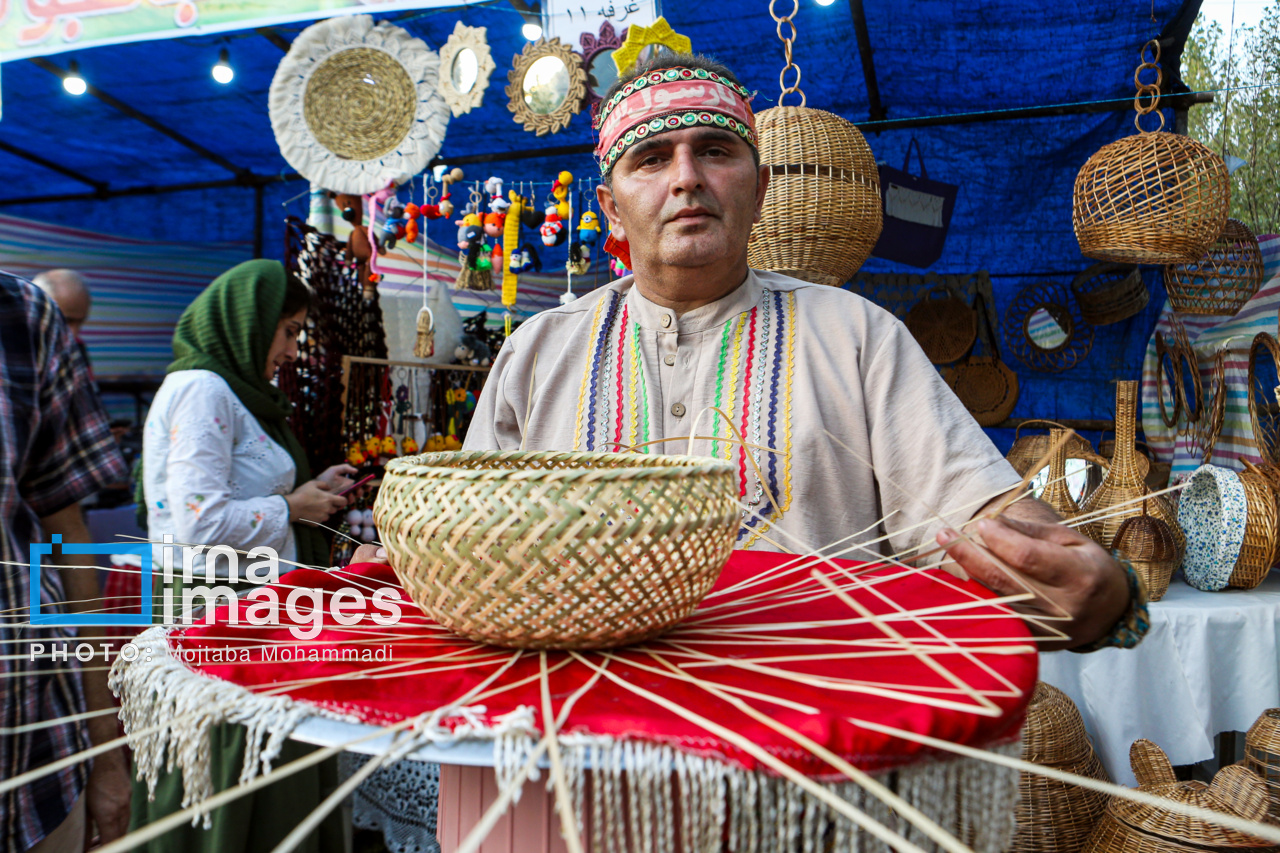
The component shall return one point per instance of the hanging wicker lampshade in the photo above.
(1152, 198)
(1223, 279)
(822, 214)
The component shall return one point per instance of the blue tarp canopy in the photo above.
(961, 74)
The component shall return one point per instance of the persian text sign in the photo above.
(37, 27)
(568, 19)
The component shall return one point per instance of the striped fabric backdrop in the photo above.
(139, 287)
(1209, 335)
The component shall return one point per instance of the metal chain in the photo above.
(1151, 91)
(786, 45)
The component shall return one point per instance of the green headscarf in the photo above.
(228, 330)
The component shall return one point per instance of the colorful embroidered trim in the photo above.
(673, 121)
(592, 370)
(666, 75)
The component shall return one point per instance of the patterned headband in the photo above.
(671, 99)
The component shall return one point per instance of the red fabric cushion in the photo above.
(426, 667)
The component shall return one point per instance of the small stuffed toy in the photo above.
(408, 445)
(589, 228)
(435, 443)
(497, 204)
(494, 223)
(372, 447)
(560, 190)
(388, 446)
(553, 231)
(472, 350)
(355, 455)
(525, 259)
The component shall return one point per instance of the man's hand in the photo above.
(107, 798)
(369, 554)
(1063, 566)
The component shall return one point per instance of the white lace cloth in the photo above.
(211, 475)
(399, 801)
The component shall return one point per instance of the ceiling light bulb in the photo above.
(73, 82)
(532, 31)
(825, 2)
(223, 72)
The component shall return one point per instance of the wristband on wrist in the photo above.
(1133, 624)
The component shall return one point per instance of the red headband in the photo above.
(671, 99)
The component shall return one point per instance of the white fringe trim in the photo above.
(633, 787)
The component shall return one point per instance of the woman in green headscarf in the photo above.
(220, 464)
(222, 467)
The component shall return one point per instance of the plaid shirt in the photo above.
(55, 450)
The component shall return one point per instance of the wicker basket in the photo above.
(1125, 481)
(1167, 382)
(944, 327)
(1259, 546)
(1272, 473)
(1262, 755)
(822, 214)
(1109, 293)
(984, 383)
(1028, 450)
(1263, 400)
(557, 550)
(1186, 366)
(1221, 281)
(1053, 816)
(1057, 494)
(1152, 547)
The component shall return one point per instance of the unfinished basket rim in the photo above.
(666, 466)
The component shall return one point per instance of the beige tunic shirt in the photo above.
(867, 433)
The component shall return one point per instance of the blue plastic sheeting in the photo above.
(1012, 215)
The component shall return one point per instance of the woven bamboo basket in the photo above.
(1186, 368)
(1028, 450)
(1262, 755)
(1213, 410)
(546, 550)
(1153, 550)
(1260, 532)
(822, 214)
(1167, 382)
(1053, 816)
(984, 383)
(1129, 827)
(944, 327)
(1223, 279)
(1109, 293)
(1057, 493)
(1272, 473)
(1263, 400)
(1152, 198)
(1117, 496)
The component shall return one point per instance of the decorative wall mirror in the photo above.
(465, 66)
(597, 59)
(1045, 330)
(643, 42)
(547, 86)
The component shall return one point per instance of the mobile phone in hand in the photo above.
(355, 485)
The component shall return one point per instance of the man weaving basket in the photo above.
(866, 432)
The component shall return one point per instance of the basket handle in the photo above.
(1150, 764)
(985, 330)
(1031, 421)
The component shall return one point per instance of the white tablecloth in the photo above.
(1210, 664)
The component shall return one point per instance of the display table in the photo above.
(1210, 664)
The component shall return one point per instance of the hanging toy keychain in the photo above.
(375, 200)
(560, 192)
(475, 271)
(579, 260)
(424, 340)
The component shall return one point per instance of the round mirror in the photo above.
(1082, 477)
(1049, 327)
(601, 72)
(546, 85)
(464, 71)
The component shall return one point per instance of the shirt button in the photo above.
(666, 321)
(669, 360)
(677, 409)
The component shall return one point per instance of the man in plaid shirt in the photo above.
(55, 450)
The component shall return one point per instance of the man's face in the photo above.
(685, 198)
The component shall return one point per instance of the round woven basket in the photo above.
(1053, 816)
(1260, 532)
(1262, 399)
(1109, 293)
(985, 384)
(944, 327)
(1167, 382)
(1029, 450)
(543, 550)
(1262, 755)
(1223, 279)
(1272, 473)
(822, 214)
(1152, 549)
(1151, 198)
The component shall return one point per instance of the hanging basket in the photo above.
(1263, 402)
(984, 383)
(1152, 198)
(822, 214)
(1221, 281)
(944, 327)
(1109, 293)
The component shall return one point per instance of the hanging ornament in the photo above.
(1151, 198)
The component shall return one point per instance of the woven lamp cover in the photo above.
(822, 215)
(1223, 279)
(1151, 198)
(355, 105)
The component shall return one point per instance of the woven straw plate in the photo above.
(545, 550)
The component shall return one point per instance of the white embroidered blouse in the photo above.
(211, 475)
